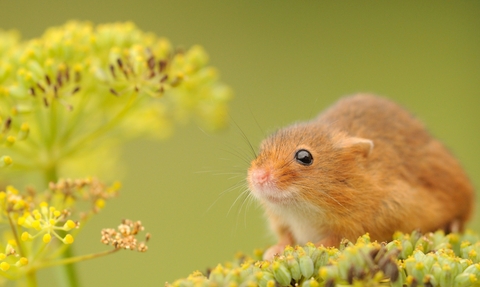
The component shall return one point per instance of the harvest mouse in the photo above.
(363, 165)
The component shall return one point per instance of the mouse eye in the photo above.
(304, 157)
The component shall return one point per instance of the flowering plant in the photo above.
(432, 259)
(67, 101)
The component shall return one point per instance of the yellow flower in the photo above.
(79, 76)
(46, 221)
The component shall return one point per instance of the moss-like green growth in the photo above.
(433, 259)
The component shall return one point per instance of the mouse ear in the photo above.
(360, 145)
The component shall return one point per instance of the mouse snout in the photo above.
(260, 177)
(264, 185)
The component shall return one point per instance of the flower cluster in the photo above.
(67, 101)
(62, 93)
(46, 221)
(67, 192)
(433, 259)
(36, 219)
(10, 258)
(125, 236)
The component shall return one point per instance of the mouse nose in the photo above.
(261, 176)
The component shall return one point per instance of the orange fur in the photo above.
(375, 169)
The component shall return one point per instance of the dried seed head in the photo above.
(124, 237)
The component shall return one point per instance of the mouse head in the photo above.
(305, 162)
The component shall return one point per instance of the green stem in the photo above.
(15, 235)
(51, 174)
(31, 278)
(76, 117)
(66, 274)
(70, 260)
(102, 129)
(53, 124)
(74, 232)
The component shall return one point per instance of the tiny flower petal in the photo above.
(68, 239)
(26, 236)
(47, 237)
(10, 140)
(22, 262)
(69, 225)
(5, 161)
(100, 203)
(4, 266)
(36, 224)
(24, 131)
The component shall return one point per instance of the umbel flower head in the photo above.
(81, 86)
(432, 259)
(44, 224)
(67, 100)
(125, 237)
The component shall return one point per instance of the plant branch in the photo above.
(71, 260)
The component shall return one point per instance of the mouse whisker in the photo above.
(245, 157)
(245, 138)
(244, 192)
(235, 186)
(248, 202)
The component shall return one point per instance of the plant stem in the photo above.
(100, 131)
(66, 274)
(71, 260)
(30, 275)
(31, 278)
(15, 235)
(50, 174)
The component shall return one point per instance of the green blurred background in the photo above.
(286, 61)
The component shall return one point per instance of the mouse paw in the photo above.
(272, 251)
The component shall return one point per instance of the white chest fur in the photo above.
(305, 221)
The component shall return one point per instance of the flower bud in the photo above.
(68, 239)
(47, 238)
(465, 280)
(322, 258)
(310, 283)
(294, 267)
(281, 273)
(306, 265)
(267, 279)
(407, 249)
(4, 266)
(23, 132)
(419, 271)
(70, 224)
(429, 280)
(473, 269)
(5, 161)
(445, 278)
(21, 262)
(328, 272)
(26, 236)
